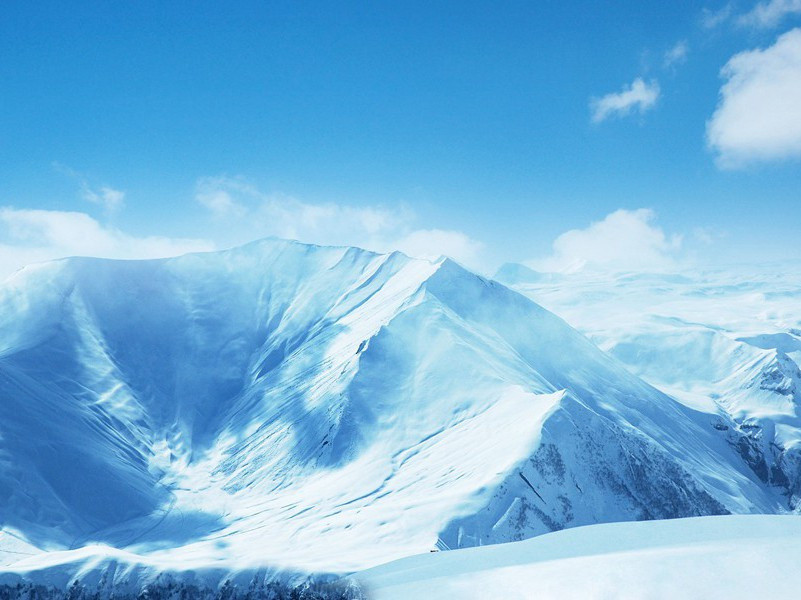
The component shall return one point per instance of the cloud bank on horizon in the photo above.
(624, 240)
(252, 213)
(242, 213)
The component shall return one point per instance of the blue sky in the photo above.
(481, 130)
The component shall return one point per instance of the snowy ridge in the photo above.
(306, 408)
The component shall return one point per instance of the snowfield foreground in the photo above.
(703, 558)
(290, 407)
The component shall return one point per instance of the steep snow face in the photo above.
(726, 343)
(323, 409)
(732, 557)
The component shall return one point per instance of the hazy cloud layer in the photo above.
(758, 117)
(638, 96)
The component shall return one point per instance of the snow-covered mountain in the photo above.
(324, 409)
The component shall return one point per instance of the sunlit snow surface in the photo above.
(704, 558)
(329, 409)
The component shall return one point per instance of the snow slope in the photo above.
(322, 409)
(703, 558)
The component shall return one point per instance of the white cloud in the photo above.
(769, 14)
(625, 240)
(28, 236)
(250, 213)
(677, 54)
(639, 95)
(758, 117)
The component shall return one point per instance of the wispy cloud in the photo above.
(217, 195)
(110, 199)
(28, 235)
(758, 117)
(249, 213)
(107, 197)
(676, 55)
(638, 96)
(769, 14)
(625, 240)
(711, 19)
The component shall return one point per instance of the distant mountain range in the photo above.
(723, 342)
